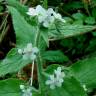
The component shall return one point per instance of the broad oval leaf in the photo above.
(55, 56)
(84, 71)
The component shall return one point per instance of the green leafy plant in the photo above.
(35, 28)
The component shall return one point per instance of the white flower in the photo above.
(20, 51)
(58, 73)
(22, 87)
(45, 17)
(28, 48)
(41, 13)
(28, 52)
(26, 91)
(35, 50)
(84, 87)
(40, 10)
(51, 81)
(56, 79)
(59, 76)
(31, 12)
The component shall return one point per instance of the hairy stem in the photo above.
(39, 62)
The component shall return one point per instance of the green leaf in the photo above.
(90, 20)
(45, 4)
(78, 22)
(78, 16)
(1, 8)
(55, 56)
(20, 7)
(84, 71)
(12, 63)
(70, 86)
(44, 34)
(94, 33)
(66, 31)
(25, 33)
(92, 45)
(1, 0)
(94, 11)
(50, 69)
(10, 87)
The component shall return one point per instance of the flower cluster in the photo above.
(26, 91)
(56, 79)
(29, 52)
(45, 17)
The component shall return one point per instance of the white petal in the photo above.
(51, 80)
(58, 16)
(25, 50)
(20, 51)
(58, 84)
(22, 87)
(46, 24)
(23, 90)
(52, 86)
(48, 82)
(84, 86)
(62, 74)
(51, 19)
(32, 56)
(52, 77)
(58, 71)
(26, 56)
(29, 44)
(50, 11)
(63, 21)
(40, 10)
(35, 50)
(42, 18)
(31, 9)
(31, 12)
(29, 89)
(61, 80)
(29, 47)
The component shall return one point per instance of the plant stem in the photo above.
(32, 70)
(39, 62)
(37, 37)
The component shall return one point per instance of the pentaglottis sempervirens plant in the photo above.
(34, 28)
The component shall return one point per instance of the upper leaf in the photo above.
(61, 31)
(25, 33)
(20, 7)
